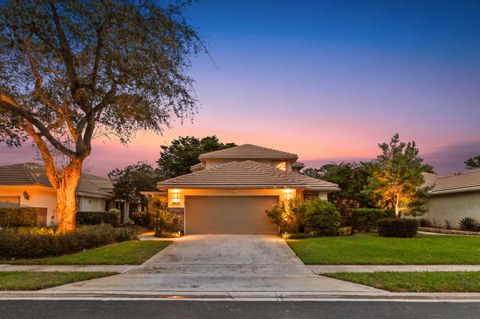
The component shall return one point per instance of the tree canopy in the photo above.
(396, 178)
(129, 181)
(350, 177)
(472, 162)
(74, 70)
(182, 153)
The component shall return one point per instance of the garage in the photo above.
(229, 215)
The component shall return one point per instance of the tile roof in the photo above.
(248, 151)
(34, 174)
(246, 174)
(463, 182)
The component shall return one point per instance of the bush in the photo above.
(345, 207)
(365, 219)
(425, 222)
(288, 215)
(314, 217)
(111, 217)
(141, 219)
(320, 217)
(397, 227)
(345, 231)
(469, 223)
(37, 242)
(162, 221)
(18, 217)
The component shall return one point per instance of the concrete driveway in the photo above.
(221, 263)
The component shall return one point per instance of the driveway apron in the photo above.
(221, 263)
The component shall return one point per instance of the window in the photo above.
(281, 166)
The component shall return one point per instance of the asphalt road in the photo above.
(91, 309)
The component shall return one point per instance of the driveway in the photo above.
(221, 263)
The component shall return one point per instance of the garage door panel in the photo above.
(229, 214)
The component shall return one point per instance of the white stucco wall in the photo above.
(39, 196)
(453, 207)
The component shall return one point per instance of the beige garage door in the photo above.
(229, 215)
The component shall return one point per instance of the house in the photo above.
(27, 185)
(453, 197)
(229, 190)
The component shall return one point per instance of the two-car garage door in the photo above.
(229, 215)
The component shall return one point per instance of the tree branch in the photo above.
(47, 156)
(12, 106)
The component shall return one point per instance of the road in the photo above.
(92, 309)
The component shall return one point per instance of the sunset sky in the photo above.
(327, 80)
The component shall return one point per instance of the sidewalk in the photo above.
(323, 269)
(68, 268)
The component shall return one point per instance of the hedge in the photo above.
(397, 227)
(18, 217)
(365, 219)
(111, 217)
(34, 242)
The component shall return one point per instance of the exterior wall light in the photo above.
(176, 197)
(288, 193)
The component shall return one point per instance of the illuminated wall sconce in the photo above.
(288, 194)
(176, 197)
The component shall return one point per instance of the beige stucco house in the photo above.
(229, 190)
(27, 185)
(453, 197)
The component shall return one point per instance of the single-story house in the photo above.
(27, 185)
(229, 190)
(453, 197)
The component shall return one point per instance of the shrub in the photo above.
(288, 215)
(141, 219)
(18, 217)
(43, 242)
(345, 207)
(469, 223)
(162, 221)
(320, 217)
(365, 219)
(425, 222)
(397, 227)
(111, 217)
(345, 231)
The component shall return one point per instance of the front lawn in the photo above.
(415, 281)
(125, 253)
(370, 249)
(41, 280)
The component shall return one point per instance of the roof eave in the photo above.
(455, 190)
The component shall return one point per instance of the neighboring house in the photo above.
(453, 197)
(27, 185)
(229, 190)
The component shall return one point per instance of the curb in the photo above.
(241, 296)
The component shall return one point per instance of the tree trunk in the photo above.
(397, 208)
(66, 196)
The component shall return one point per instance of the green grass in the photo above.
(126, 253)
(415, 281)
(41, 280)
(370, 249)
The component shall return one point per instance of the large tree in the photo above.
(350, 177)
(129, 181)
(396, 180)
(72, 70)
(472, 162)
(182, 153)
